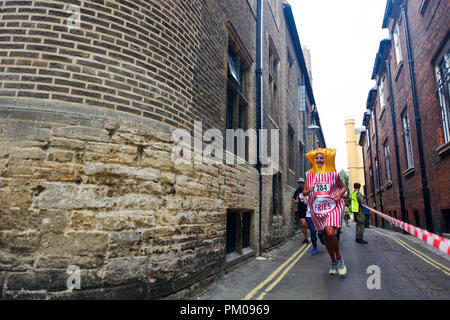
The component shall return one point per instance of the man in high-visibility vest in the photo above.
(358, 213)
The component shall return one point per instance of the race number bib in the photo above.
(322, 189)
(323, 205)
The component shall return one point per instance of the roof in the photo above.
(292, 28)
(371, 97)
(390, 11)
(298, 48)
(383, 53)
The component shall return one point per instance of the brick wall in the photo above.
(137, 57)
(428, 32)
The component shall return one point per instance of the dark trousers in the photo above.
(312, 231)
(360, 219)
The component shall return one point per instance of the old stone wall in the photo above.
(101, 193)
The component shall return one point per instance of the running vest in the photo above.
(355, 204)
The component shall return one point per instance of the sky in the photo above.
(343, 37)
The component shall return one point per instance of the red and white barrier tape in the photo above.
(436, 241)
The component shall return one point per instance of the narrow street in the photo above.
(408, 269)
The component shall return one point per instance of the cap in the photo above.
(301, 180)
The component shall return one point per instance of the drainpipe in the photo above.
(372, 183)
(259, 105)
(394, 129)
(377, 168)
(425, 190)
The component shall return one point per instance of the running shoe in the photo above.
(333, 269)
(314, 251)
(305, 241)
(341, 268)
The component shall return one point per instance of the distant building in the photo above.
(407, 145)
(355, 165)
(307, 54)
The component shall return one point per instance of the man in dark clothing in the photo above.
(357, 209)
(301, 208)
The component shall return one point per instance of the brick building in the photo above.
(91, 93)
(406, 148)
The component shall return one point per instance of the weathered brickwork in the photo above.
(86, 122)
(429, 32)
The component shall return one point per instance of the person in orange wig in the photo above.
(325, 190)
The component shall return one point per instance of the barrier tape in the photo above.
(436, 241)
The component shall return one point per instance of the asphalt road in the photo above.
(391, 266)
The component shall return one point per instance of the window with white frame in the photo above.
(373, 122)
(407, 137)
(387, 159)
(442, 71)
(381, 93)
(397, 47)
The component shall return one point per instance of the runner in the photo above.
(302, 208)
(325, 190)
(310, 225)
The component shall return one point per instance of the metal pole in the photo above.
(259, 105)
(425, 190)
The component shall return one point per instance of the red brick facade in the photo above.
(427, 25)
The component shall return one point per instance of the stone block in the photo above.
(120, 270)
(19, 240)
(72, 196)
(81, 243)
(82, 220)
(82, 133)
(13, 129)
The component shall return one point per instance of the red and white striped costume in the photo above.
(325, 211)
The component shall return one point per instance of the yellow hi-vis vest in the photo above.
(355, 204)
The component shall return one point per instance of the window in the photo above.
(302, 98)
(368, 137)
(387, 159)
(381, 94)
(236, 98)
(276, 194)
(398, 50)
(446, 214)
(423, 6)
(233, 66)
(231, 232)
(273, 81)
(442, 71)
(416, 218)
(377, 168)
(407, 137)
(373, 122)
(238, 235)
(291, 148)
(290, 73)
(371, 180)
(302, 156)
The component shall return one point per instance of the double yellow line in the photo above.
(418, 253)
(289, 263)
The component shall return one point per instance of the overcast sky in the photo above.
(343, 37)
